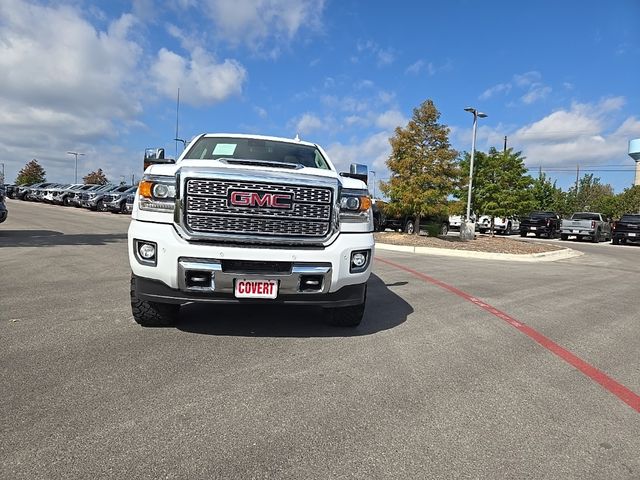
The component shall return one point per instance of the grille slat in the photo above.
(207, 210)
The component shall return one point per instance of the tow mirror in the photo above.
(153, 156)
(358, 171)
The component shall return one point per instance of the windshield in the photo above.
(630, 218)
(542, 214)
(213, 148)
(585, 216)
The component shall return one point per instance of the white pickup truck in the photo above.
(586, 224)
(250, 219)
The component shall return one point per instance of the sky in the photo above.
(559, 79)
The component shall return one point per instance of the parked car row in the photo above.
(112, 198)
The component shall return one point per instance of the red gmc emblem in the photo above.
(244, 198)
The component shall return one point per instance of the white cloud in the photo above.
(65, 84)
(526, 79)
(535, 93)
(200, 78)
(372, 151)
(383, 56)
(587, 133)
(309, 123)
(263, 25)
(496, 89)
(391, 119)
(416, 67)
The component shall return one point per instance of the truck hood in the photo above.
(212, 165)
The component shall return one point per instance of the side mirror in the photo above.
(155, 155)
(357, 171)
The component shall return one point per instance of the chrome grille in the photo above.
(207, 210)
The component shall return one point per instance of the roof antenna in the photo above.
(297, 139)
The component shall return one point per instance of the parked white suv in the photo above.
(246, 219)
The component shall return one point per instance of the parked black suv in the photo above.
(541, 223)
(626, 229)
(3, 209)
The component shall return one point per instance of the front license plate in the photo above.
(575, 231)
(534, 228)
(631, 234)
(256, 288)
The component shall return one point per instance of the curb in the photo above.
(512, 257)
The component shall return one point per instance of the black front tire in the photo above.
(615, 241)
(564, 236)
(409, 227)
(523, 234)
(152, 314)
(345, 316)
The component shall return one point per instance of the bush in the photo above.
(433, 229)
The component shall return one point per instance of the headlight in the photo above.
(157, 194)
(354, 206)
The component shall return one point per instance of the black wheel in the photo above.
(346, 316)
(615, 241)
(409, 227)
(100, 206)
(152, 314)
(523, 234)
(564, 236)
(507, 231)
(537, 234)
(65, 201)
(596, 238)
(444, 229)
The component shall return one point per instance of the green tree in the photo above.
(31, 173)
(98, 178)
(501, 186)
(591, 196)
(423, 169)
(628, 201)
(547, 196)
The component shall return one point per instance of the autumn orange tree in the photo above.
(98, 178)
(31, 173)
(423, 167)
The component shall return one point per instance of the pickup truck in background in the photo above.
(505, 225)
(586, 224)
(626, 229)
(541, 223)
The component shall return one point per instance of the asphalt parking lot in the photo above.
(462, 368)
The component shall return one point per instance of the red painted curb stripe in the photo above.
(623, 393)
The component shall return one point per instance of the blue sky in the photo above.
(559, 79)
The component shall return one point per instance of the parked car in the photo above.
(116, 201)
(94, 199)
(455, 221)
(60, 195)
(505, 225)
(76, 197)
(3, 209)
(407, 224)
(11, 190)
(129, 202)
(541, 223)
(586, 224)
(626, 229)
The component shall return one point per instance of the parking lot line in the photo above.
(623, 393)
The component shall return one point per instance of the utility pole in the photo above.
(177, 110)
(577, 176)
(76, 155)
(505, 144)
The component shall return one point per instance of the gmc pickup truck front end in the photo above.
(249, 219)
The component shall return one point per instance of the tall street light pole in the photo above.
(76, 155)
(372, 172)
(476, 114)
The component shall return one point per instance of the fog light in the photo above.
(147, 251)
(359, 261)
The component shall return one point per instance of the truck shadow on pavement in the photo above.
(385, 310)
(49, 238)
